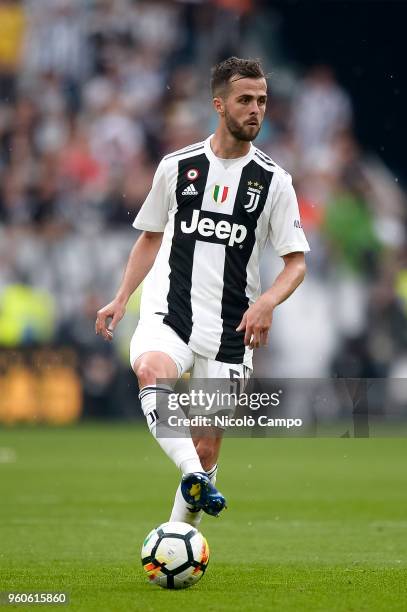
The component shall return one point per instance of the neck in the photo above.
(226, 146)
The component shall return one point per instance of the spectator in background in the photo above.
(321, 109)
(56, 41)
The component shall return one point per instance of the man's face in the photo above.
(244, 107)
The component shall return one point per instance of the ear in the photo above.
(219, 105)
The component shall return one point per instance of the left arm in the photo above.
(257, 319)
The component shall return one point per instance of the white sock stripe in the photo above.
(212, 470)
(147, 388)
(146, 392)
(156, 388)
(144, 395)
(153, 389)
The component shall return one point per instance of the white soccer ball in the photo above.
(175, 555)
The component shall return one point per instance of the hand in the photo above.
(256, 322)
(115, 311)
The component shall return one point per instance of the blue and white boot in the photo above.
(201, 494)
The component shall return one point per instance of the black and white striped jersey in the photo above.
(216, 221)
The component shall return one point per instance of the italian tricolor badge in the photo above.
(220, 193)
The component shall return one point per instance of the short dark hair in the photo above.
(223, 72)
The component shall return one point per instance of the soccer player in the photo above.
(211, 209)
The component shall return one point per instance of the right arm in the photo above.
(139, 264)
(152, 219)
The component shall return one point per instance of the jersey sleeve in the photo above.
(153, 215)
(285, 230)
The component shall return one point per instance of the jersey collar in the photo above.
(241, 161)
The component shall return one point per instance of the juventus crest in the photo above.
(254, 190)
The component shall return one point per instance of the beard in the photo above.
(247, 133)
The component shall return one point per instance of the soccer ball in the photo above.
(175, 555)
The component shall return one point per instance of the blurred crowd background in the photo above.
(92, 94)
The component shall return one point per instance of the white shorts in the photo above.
(154, 335)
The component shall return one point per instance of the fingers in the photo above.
(111, 327)
(244, 327)
(103, 326)
(100, 324)
(117, 316)
(256, 329)
(242, 324)
(255, 338)
(248, 330)
(248, 335)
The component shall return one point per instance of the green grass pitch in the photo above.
(312, 524)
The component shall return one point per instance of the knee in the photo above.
(146, 374)
(207, 454)
(152, 366)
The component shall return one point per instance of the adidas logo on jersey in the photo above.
(222, 230)
(190, 190)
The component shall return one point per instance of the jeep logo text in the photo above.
(222, 229)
